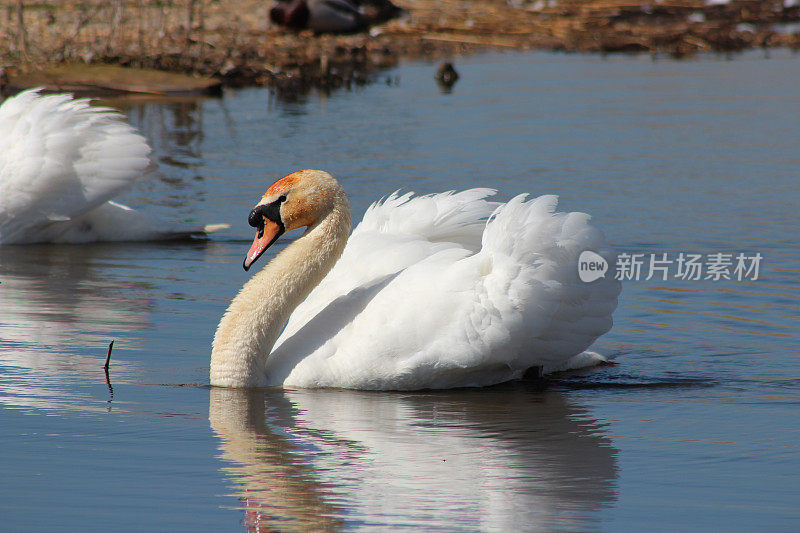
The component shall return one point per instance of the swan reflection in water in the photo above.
(507, 458)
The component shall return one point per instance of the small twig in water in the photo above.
(108, 378)
(108, 357)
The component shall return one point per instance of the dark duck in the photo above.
(332, 16)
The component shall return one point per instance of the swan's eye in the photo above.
(281, 198)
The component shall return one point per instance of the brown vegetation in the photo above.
(232, 39)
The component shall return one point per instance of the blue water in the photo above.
(695, 427)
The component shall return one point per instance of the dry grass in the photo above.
(232, 38)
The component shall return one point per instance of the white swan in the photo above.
(425, 294)
(61, 161)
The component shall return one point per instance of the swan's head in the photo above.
(298, 200)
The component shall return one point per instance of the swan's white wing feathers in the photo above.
(59, 159)
(456, 318)
(393, 235)
(563, 315)
(445, 217)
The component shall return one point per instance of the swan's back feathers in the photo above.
(444, 217)
(59, 159)
(429, 294)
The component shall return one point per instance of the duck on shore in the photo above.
(332, 16)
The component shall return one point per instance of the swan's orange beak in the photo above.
(264, 239)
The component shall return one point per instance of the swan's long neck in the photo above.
(252, 323)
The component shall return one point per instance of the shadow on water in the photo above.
(501, 457)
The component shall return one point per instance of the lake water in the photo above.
(696, 426)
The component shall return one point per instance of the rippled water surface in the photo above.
(696, 426)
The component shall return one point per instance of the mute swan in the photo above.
(61, 161)
(426, 293)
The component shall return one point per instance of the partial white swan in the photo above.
(61, 161)
(439, 291)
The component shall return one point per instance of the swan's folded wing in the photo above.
(394, 234)
(60, 158)
(456, 319)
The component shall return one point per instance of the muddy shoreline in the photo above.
(233, 40)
